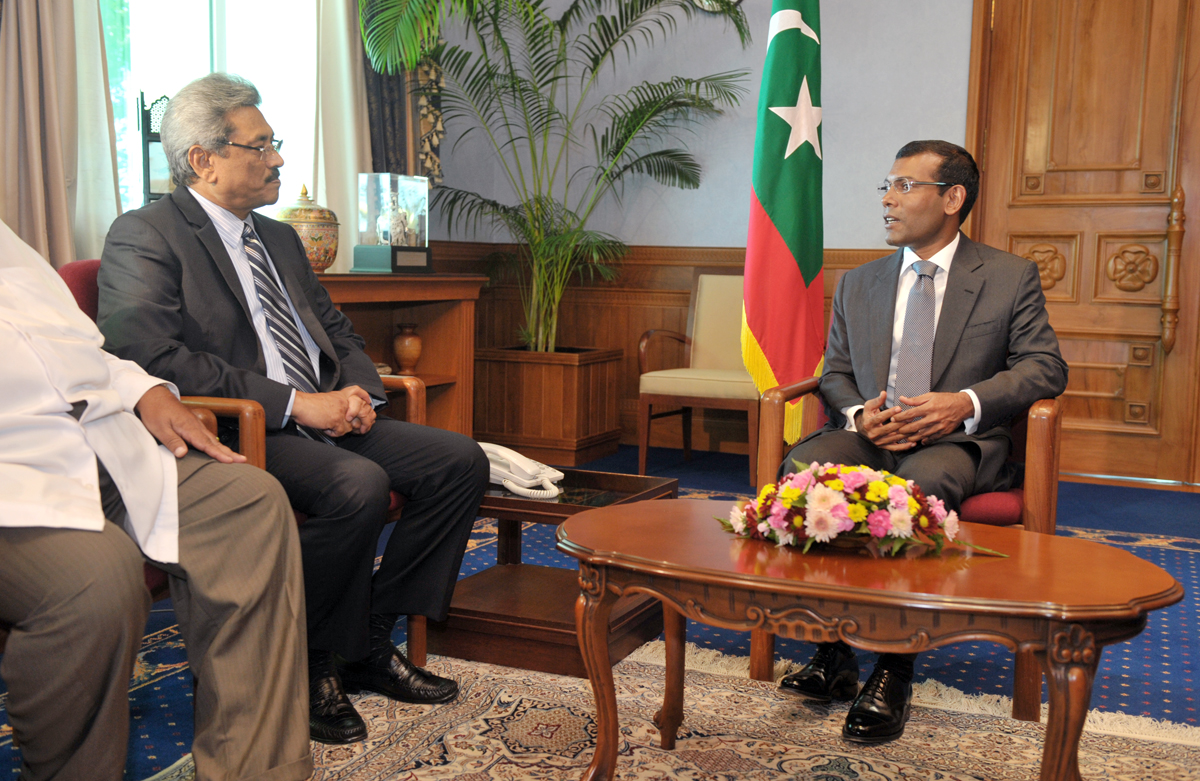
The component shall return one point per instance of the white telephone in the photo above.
(520, 474)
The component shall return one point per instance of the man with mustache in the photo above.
(221, 301)
(932, 351)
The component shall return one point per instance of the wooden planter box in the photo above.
(559, 408)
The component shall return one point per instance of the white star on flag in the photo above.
(804, 118)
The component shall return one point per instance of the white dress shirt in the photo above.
(229, 227)
(908, 277)
(53, 359)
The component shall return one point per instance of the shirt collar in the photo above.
(942, 258)
(228, 224)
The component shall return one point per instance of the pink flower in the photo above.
(820, 525)
(853, 481)
(879, 522)
(937, 508)
(802, 480)
(778, 518)
(898, 496)
(823, 498)
(950, 525)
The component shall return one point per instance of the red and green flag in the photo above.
(783, 315)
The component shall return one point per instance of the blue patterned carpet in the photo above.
(1152, 675)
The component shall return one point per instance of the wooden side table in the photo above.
(523, 615)
(443, 307)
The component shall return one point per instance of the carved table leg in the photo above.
(592, 611)
(762, 655)
(1072, 656)
(670, 716)
(1027, 686)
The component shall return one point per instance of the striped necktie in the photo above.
(282, 325)
(914, 367)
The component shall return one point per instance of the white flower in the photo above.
(901, 522)
(822, 498)
(786, 538)
(820, 524)
(950, 525)
(763, 527)
(737, 519)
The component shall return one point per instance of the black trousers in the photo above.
(344, 488)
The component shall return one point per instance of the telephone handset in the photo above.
(520, 474)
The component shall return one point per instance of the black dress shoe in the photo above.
(831, 675)
(331, 716)
(398, 678)
(881, 709)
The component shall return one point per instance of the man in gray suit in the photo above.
(929, 392)
(203, 292)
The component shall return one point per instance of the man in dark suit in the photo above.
(222, 302)
(932, 352)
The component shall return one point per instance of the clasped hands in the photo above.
(337, 412)
(930, 417)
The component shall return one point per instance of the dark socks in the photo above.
(379, 635)
(899, 664)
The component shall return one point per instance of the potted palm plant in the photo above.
(525, 82)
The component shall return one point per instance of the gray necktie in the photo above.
(914, 368)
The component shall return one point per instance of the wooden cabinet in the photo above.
(443, 308)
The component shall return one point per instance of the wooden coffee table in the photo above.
(1063, 599)
(523, 615)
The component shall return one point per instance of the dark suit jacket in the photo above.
(171, 301)
(993, 336)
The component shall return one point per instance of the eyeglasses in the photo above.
(273, 145)
(904, 186)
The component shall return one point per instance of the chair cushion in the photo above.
(705, 383)
(999, 508)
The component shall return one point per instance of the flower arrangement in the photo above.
(848, 505)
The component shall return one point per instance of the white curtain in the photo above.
(57, 156)
(343, 143)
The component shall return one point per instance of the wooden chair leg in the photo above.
(1027, 687)
(644, 408)
(417, 647)
(762, 655)
(687, 433)
(752, 421)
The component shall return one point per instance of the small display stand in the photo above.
(393, 225)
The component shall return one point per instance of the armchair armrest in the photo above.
(252, 423)
(414, 390)
(1042, 449)
(770, 425)
(644, 343)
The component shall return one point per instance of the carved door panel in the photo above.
(1084, 114)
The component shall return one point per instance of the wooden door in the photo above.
(1086, 126)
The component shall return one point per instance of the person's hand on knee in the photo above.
(932, 416)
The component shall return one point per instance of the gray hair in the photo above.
(199, 115)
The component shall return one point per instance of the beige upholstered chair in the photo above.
(715, 377)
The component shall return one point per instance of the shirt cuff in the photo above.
(971, 424)
(287, 413)
(850, 412)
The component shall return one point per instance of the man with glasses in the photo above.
(932, 351)
(221, 301)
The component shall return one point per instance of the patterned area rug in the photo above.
(512, 724)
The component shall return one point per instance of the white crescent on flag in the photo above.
(789, 20)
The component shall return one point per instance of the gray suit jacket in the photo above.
(171, 301)
(993, 336)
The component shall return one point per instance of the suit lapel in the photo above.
(881, 310)
(962, 288)
(207, 233)
(281, 250)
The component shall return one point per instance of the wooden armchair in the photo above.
(80, 277)
(1037, 437)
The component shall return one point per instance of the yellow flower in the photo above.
(896, 480)
(836, 485)
(914, 506)
(858, 513)
(764, 493)
(789, 494)
(924, 522)
(876, 491)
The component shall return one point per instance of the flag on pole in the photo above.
(783, 313)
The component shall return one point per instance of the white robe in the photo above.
(51, 357)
